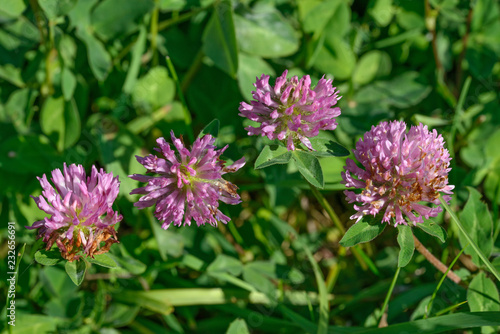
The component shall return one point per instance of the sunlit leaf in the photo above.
(219, 39)
(433, 229)
(272, 155)
(309, 166)
(476, 219)
(48, 258)
(406, 244)
(362, 231)
(76, 270)
(482, 294)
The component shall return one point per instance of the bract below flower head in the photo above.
(292, 111)
(188, 184)
(402, 172)
(81, 216)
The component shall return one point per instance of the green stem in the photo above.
(49, 89)
(469, 239)
(458, 114)
(333, 275)
(193, 69)
(235, 233)
(389, 293)
(324, 305)
(187, 115)
(357, 252)
(429, 306)
(324, 203)
(450, 308)
(180, 18)
(154, 33)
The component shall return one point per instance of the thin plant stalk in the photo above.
(458, 115)
(336, 220)
(435, 261)
(469, 239)
(389, 293)
(187, 115)
(154, 33)
(429, 306)
(180, 18)
(450, 308)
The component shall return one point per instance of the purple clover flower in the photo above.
(291, 111)
(401, 172)
(81, 216)
(189, 185)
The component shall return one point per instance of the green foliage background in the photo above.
(87, 82)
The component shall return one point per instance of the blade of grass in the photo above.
(469, 239)
(450, 308)
(429, 306)
(324, 306)
(296, 318)
(442, 324)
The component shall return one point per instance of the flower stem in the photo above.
(469, 239)
(357, 252)
(435, 261)
(389, 293)
(181, 18)
(324, 203)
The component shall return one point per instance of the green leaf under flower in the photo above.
(76, 270)
(310, 168)
(362, 231)
(103, 260)
(211, 128)
(48, 258)
(327, 148)
(406, 243)
(272, 155)
(434, 229)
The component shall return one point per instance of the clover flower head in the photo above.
(401, 172)
(80, 209)
(188, 184)
(292, 111)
